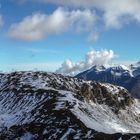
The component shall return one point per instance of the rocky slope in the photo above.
(39, 105)
(118, 75)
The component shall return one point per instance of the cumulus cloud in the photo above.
(1, 20)
(113, 14)
(116, 13)
(103, 57)
(39, 25)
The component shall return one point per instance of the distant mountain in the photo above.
(135, 68)
(134, 86)
(118, 75)
(48, 106)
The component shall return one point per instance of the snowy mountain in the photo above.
(135, 68)
(118, 75)
(134, 86)
(39, 105)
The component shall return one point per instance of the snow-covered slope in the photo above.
(119, 75)
(135, 68)
(39, 105)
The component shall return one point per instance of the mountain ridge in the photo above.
(41, 105)
(118, 75)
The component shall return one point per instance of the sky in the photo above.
(68, 36)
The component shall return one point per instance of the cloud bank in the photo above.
(103, 57)
(115, 13)
(39, 26)
(78, 17)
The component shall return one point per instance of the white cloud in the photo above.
(39, 25)
(116, 13)
(110, 14)
(1, 20)
(103, 57)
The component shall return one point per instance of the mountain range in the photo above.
(40, 105)
(125, 76)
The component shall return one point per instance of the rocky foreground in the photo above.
(39, 105)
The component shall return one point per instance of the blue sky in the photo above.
(43, 35)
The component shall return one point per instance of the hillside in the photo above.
(39, 105)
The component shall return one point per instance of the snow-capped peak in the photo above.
(135, 68)
(98, 68)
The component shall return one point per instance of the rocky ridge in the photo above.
(39, 105)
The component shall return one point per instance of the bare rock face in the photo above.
(39, 105)
(98, 93)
